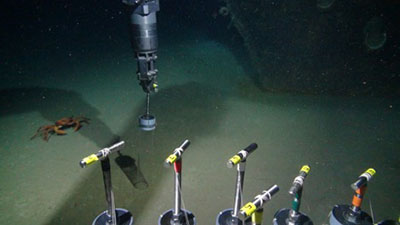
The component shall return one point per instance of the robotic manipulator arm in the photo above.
(143, 29)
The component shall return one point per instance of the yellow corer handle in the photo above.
(89, 160)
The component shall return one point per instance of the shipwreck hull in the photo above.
(298, 46)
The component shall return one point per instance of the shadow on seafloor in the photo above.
(183, 112)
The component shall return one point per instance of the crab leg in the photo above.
(77, 126)
(37, 132)
(58, 130)
(46, 136)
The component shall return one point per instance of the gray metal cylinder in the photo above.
(124, 217)
(340, 216)
(147, 122)
(167, 218)
(144, 32)
(282, 217)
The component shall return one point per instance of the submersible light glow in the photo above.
(325, 4)
(375, 33)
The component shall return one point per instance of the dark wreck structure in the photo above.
(321, 47)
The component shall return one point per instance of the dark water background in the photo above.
(62, 58)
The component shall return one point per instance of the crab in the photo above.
(58, 127)
(72, 122)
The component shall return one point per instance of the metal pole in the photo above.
(105, 166)
(147, 104)
(177, 205)
(257, 217)
(258, 202)
(238, 192)
(297, 201)
(294, 214)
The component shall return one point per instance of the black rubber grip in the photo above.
(296, 186)
(359, 183)
(273, 189)
(185, 144)
(82, 164)
(251, 147)
(294, 189)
